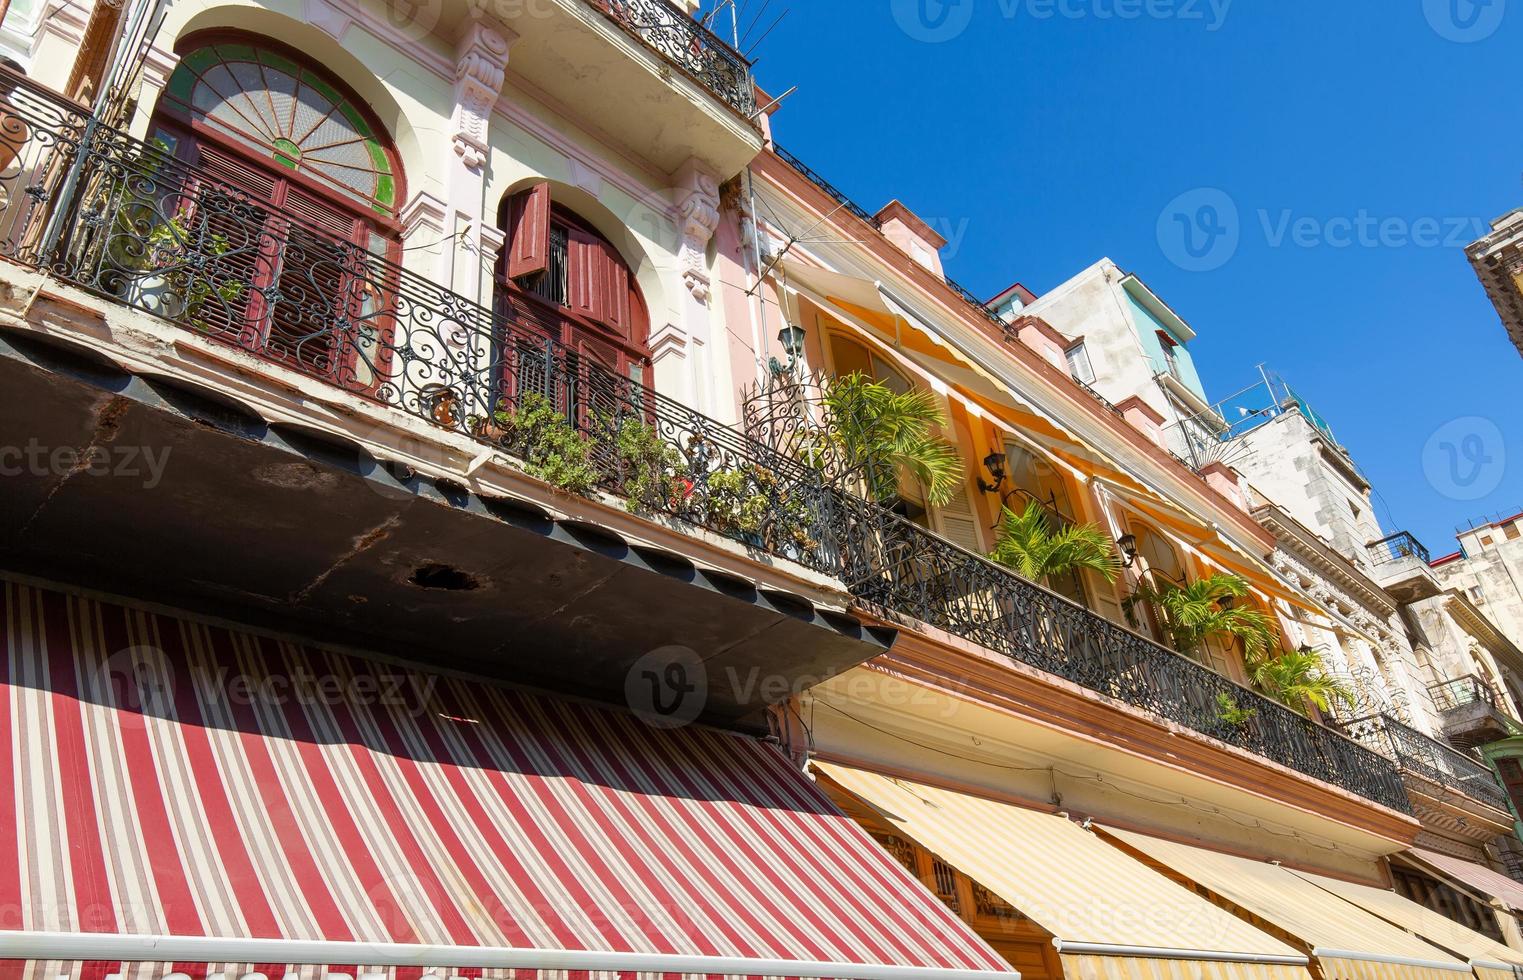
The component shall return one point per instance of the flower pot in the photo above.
(151, 293)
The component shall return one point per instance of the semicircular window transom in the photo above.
(287, 114)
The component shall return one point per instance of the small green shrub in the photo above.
(650, 467)
(549, 445)
(1229, 711)
(734, 503)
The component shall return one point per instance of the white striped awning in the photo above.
(1348, 942)
(1110, 916)
(1489, 959)
(190, 797)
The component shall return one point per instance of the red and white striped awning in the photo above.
(178, 796)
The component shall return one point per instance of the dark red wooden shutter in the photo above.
(615, 285)
(529, 232)
(586, 276)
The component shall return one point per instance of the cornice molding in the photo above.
(1296, 539)
(978, 340)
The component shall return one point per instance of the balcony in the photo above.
(350, 452)
(280, 519)
(1400, 566)
(1435, 774)
(914, 575)
(643, 72)
(1470, 712)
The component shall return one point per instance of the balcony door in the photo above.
(560, 280)
(298, 257)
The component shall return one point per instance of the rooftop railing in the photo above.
(1399, 547)
(1429, 758)
(674, 34)
(1460, 692)
(120, 219)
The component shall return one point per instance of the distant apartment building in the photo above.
(1488, 569)
(1498, 261)
(1118, 336)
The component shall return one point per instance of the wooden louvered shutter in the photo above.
(234, 280)
(528, 251)
(310, 291)
(615, 283)
(586, 275)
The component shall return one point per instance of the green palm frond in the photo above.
(1298, 676)
(879, 432)
(1029, 546)
(1194, 612)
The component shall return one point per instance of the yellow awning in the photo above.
(1348, 942)
(896, 329)
(1111, 916)
(1258, 577)
(1483, 952)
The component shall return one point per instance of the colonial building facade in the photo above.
(474, 502)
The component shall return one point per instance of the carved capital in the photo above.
(697, 198)
(481, 62)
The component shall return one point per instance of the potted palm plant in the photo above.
(1029, 546)
(1295, 677)
(1203, 610)
(876, 433)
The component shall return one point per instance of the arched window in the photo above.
(560, 277)
(319, 184)
(1161, 556)
(1159, 567)
(285, 117)
(1035, 480)
(849, 357)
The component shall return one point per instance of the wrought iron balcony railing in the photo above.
(831, 190)
(904, 569)
(1460, 692)
(1399, 547)
(119, 219)
(669, 31)
(1429, 758)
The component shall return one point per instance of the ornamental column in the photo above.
(481, 61)
(684, 352)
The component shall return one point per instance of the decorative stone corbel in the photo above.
(481, 62)
(697, 196)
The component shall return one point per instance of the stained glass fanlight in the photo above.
(287, 114)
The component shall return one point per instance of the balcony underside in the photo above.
(610, 79)
(1452, 812)
(1474, 724)
(272, 526)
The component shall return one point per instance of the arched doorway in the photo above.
(558, 277)
(311, 232)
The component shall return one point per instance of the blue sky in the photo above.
(1360, 144)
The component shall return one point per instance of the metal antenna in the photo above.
(754, 20)
(769, 30)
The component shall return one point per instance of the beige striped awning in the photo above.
(1112, 917)
(1489, 958)
(1348, 942)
